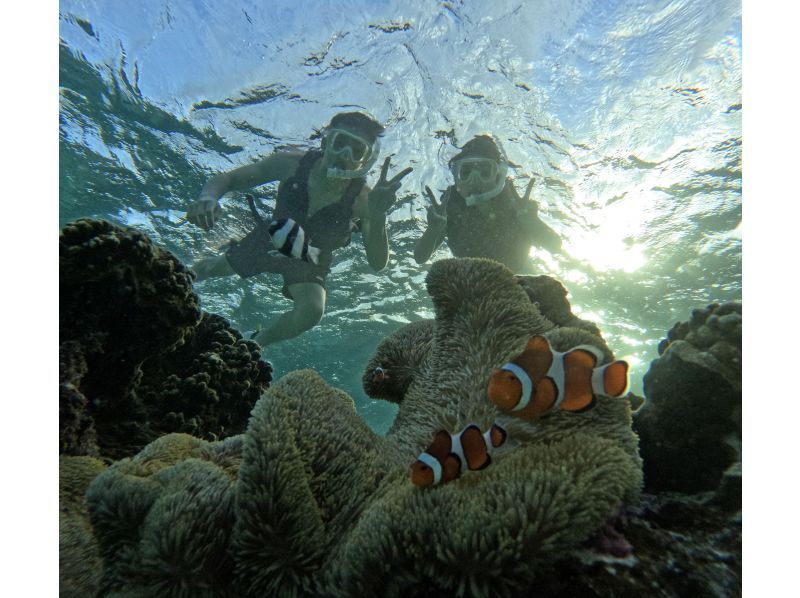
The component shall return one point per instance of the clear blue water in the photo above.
(627, 113)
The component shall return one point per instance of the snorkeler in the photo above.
(482, 215)
(322, 199)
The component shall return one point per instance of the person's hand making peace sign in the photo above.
(383, 195)
(528, 207)
(437, 212)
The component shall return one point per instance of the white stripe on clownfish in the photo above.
(525, 380)
(457, 449)
(433, 463)
(556, 372)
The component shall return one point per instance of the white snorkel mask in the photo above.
(479, 179)
(348, 148)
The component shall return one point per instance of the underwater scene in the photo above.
(382, 298)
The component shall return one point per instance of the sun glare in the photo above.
(609, 245)
(605, 251)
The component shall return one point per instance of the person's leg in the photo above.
(212, 267)
(309, 305)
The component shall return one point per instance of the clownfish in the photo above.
(539, 380)
(379, 374)
(290, 239)
(449, 454)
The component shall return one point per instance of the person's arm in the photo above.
(373, 231)
(542, 235)
(537, 231)
(204, 212)
(371, 207)
(436, 231)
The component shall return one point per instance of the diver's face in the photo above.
(474, 175)
(347, 148)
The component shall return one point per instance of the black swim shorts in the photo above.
(255, 254)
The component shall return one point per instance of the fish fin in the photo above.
(615, 378)
(585, 356)
(545, 397)
(542, 401)
(421, 474)
(474, 447)
(590, 405)
(504, 390)
(451, 468)
(537, 343)
(578, 371)
(595, 351)
(577, 403)
(497, 435)
(537, 358)
(486, 463)
(441, 445)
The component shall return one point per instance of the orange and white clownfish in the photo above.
(449, 454)
(539, 380)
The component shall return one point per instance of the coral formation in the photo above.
(207, 385)
(683, 545)
(693, 406)
(716, 334)
(400, 355)
(80, 565)
(163, 519)
(122, 299)
(310, 465)
(309, 501)
(77, 435)
(137, 357)
(105, 271)
(550, 297)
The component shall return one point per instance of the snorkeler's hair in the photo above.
(366, 124)
(480, 146)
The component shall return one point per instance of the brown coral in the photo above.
(716, 334)
(122, 299)
(550, 296)
(80, 565)
(137, 360)
(694, 404)
(105, 271)
(77, 435)
(207, 385)
(163, 519)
